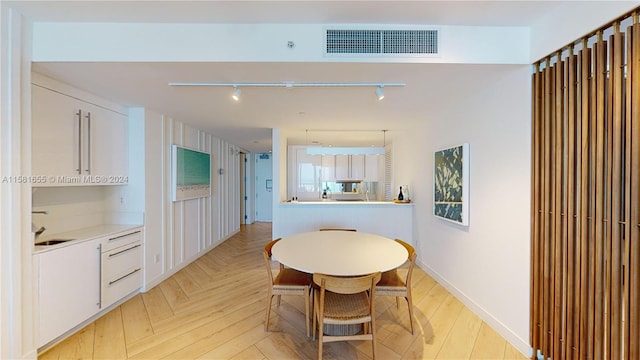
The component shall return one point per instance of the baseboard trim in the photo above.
(513, 339)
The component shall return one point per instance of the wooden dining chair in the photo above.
(287, 282)
(336, 229)
(345, 301)
(392, 284)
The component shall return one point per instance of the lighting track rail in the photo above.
(286, 84)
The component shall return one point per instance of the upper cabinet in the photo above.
(304, 174)
(372, 167)
(328, 167)
(75, 142)
(350, 167)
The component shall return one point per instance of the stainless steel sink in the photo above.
(53, 242)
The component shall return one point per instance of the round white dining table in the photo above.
(339, 253)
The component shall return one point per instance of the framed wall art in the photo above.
(451, 184)
(190, 173)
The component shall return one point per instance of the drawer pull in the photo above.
(125, 235)
(122, 277)
(125, 250)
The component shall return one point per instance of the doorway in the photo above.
(264, 188)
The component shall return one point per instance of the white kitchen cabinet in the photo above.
(304, 174)
(328, 168)
(350, 167)
(108, 154)
(372, 168)
(72, 139)
(69, 288)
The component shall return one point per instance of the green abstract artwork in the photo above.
(451, 184)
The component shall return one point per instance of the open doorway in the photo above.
(264, 188)
(244, 219)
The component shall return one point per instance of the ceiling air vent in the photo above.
(382, 42)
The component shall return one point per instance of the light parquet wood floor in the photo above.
(214, 309)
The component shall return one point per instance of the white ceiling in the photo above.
(248, 122)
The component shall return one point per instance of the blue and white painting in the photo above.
(451, 184)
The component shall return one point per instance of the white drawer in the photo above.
(120, 261)
(115, 290)
(121, 239)
(121, 272)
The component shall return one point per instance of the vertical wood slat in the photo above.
(600, 78)
(592, 209)
(557, 240)
(571, 209)
(631, 103)
(581, 135)
(615, 293)
(585, 213)
(607, 205)
(545, 191)
(634, 240)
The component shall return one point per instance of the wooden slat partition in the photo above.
(585, 209)
(535, 326)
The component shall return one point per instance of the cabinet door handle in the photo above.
(79, 168)
(88, 116)
(125, 235)
(124, 251)
(124, 276)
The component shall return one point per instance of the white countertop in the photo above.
(81, 235)
(342, 203)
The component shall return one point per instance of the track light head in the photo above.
(236, 93)
(380, 92)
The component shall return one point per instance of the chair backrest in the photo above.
(410, 249)
(266, 254)
(337, 229)
(412, 259)
(347, 285)
(267, 248)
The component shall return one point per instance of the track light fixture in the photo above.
(380, 92)
(236, 93)
(290, 84)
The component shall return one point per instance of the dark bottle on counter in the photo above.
(400, 196)
(324, 193)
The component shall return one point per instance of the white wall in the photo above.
(486, 264)
(255, 42)
(16, 280)
(177, 233)
(569, 22)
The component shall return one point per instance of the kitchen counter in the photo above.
(345, 202)
(384, 218)
(81, 235)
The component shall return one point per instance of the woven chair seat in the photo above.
(390, 279)
(340, 308)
